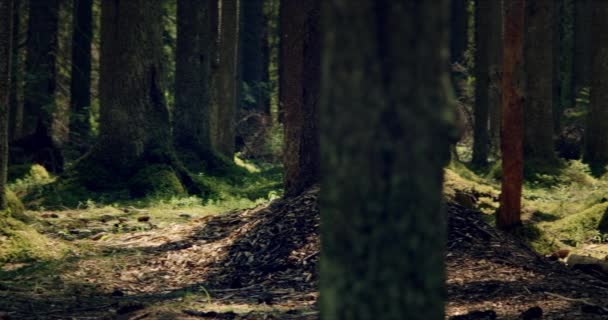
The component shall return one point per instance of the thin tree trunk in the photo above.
(6, 7)
(254, 68)
(596, 133)
(538, 61)
(582, 39)
(495, 48)
(384, 144)
(301, 55)
(226, 79)
(80, 86)
(566, 61)
(481, 137)
(512, 131)
(15, 104)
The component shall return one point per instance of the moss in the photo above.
(15, 207)
(156, 180)
(20, 242)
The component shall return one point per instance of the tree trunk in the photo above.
(481, 137)
(582, 44)
(6, 7)
(226, 76)
(300, 56)
(384, 132)
(15, 103)
(253, 71)
(38, 143)
(508, 215)
(195, 54)
(459, 30)
(538, 60)
(596, 133)
(80, 86)
(567, 49)
(495, 49)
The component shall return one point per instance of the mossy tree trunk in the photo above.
(481, 136)
(386, 120)
(6, 8)
(512, 132)
(80, 83)
(538, 117)
(596, 133)
(38, 143)
(495, 48)
(300, 58)
(226, 76)
(195, 54)
(135, 131)
(582, 43)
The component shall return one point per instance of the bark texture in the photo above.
(15, 102)
(538, 117)
(38, 143)
(582, 43)
(512, 131)
(134, 118)
(254, 67)
(6, 7)
(481, 137)
(495, 49)
(458, 30)
(195, 54)
(301, 59)
(596, 134)
(226, 98)
(80, 85)
(385, 127)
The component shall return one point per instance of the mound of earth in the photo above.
(492, 275)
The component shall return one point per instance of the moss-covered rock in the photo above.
(156, 180)
(15, 207)
(29, 172)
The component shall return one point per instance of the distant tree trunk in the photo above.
(481, 137)
(596, 133)
(6, 7)
(226, 98)
(135, 131)
(512, 131)
(384, 148)
(254, 69)
(495, 49)
(459, 30)
(15, 104)
(538, 61)
(582, 43)
(195, 56)
(301, 56)
(38, 142)
(565, 63)
(80, 86)
(557, 40)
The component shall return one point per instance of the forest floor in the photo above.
(256, 263)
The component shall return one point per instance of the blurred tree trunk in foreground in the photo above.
(386, 122)
(6, 7)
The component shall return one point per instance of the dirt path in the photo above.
(252, 264)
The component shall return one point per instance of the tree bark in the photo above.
(226, 100)
(195, 57)
(481, 137)
(15, 103)
(582, 44)
(386, 125)
(80, 85)
(459, 30)
(566, 61)
(495, 49)
(512, 131)
(300, 56)
(6, 7)
(596, 133)
(538, 61)
(254, 69)
(38, 143)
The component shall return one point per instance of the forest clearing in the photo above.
(288, 159)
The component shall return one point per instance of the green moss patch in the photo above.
(156, 180)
